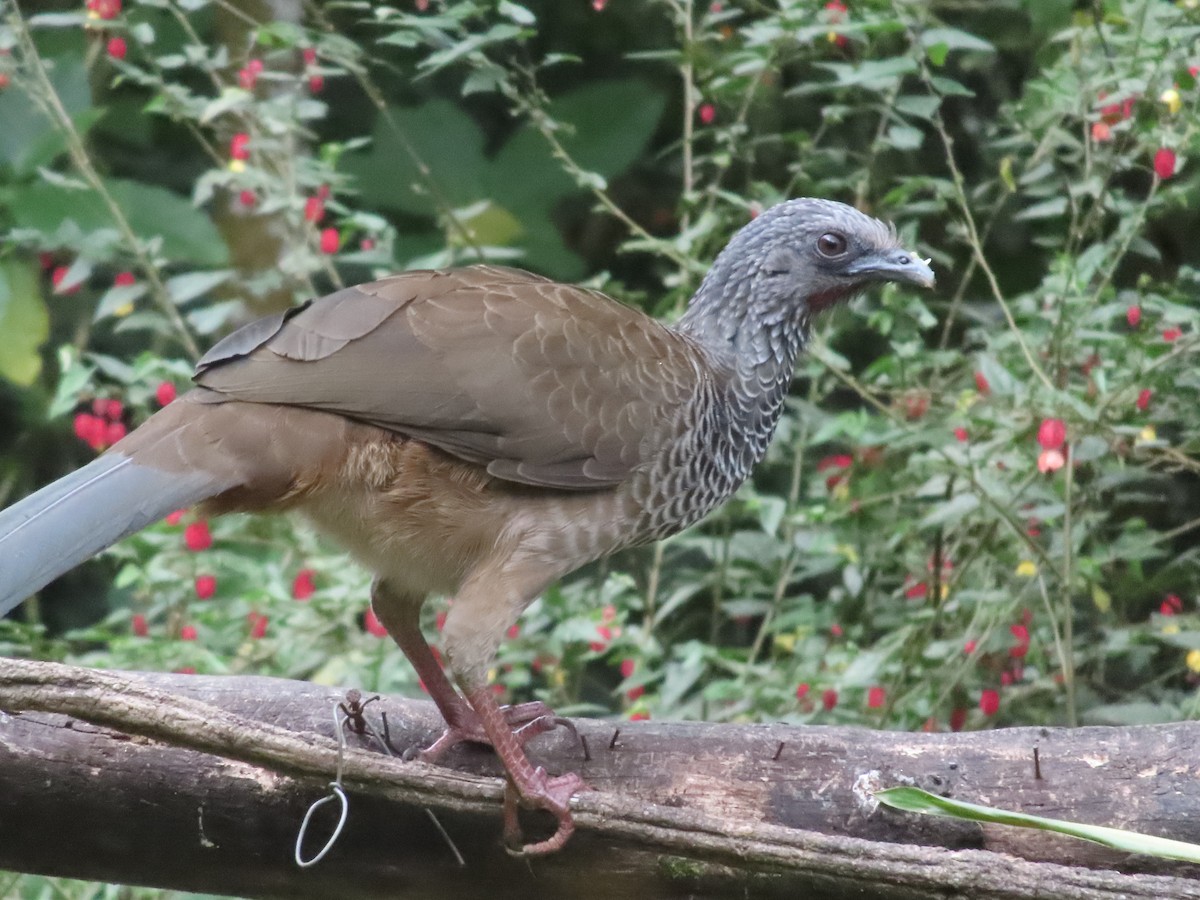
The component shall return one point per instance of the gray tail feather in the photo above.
(53, 530)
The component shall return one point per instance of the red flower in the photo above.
(239, 146)
(1020, 634)
(1143, 400)
(248, 74)
(640, 715)
(981, 384)
(1133, 315)
(635, 693)
(90, 429)
(175, 517)
(1164, 162)
(164, 393)
(837, 461)
(124, 279)
(58, 276)
(969, 647)
(374, 626)
(117, 47)
(1052, 433)
(1006, 678)
(1172, 334)
(188, 633)
(836, 10)
(960, 434)
(248, 198)
(139, 626)
(802, 690)
(206, 586)
(605, 634)
(1101, 132)
(104, 9)
(875, 697)
(309, 55)
(829, 699)
(302, 585)
(196, 536)
(316, 84)
(314, 209)
(958, 718)
(330, 239)
(989, 702)
(917, 591)
(366, 244)
(1171, 605)
(1050, 461)
(258, 625)
(513, 632)
(628, 666)
(113, 432)
(707, 113)
(835, 630)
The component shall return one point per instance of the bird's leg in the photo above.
(486, 606)
(533, 787)
(400, 614)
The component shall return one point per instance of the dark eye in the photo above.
(831, 244)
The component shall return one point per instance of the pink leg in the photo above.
(400, 615)
(533, 787)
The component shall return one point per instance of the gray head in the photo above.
(796, 259)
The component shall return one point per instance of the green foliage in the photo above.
(920, 548)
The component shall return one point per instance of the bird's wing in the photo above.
(543, 383)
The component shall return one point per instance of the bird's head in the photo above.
(803, 256)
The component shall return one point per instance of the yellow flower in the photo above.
(237, 166)
(1170, 97)
(1027, 568)
(123, 310)
(1148, 436)
(1193, 660)
(785, 642)
(1170, 628)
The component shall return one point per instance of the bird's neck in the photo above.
(752, 348)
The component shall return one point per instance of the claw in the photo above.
(527, 721)
(542, 792)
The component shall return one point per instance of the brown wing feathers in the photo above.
(542, 383)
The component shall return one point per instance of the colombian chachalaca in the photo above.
(477, 433)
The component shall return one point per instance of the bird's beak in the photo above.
(893, 265)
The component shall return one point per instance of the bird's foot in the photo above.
(526, 720)
(540, 792)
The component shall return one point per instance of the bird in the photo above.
(478, 433)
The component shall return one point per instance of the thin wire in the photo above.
(336, 793)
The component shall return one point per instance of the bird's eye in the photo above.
(831, 244)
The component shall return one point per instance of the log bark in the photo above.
(201, 783)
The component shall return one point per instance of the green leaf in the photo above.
(187, 234)
(952, 510)
(29, 138)
(183, 288)
(24, 324)
(955, 39)
(915, 800)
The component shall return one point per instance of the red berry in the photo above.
(1052, 433)
(1133, 316)
(1172, 334)
(316, 84)
(1164, 162)
(875, 697)
(367, 244)
(57, 278)
(239, 146)
(330, 239)
(206, 586)
(113, 432)
(176, 517)
(802, 690)
(627, 667)
(1143, 400)
(981, 384)
(248, 74)
(258, 625)
(104, 9)
(139, 626)
(641, 715)
(248, 198)
(124, 279)
(513, 631)
(989, 702)
(196, 536)
(117, 47)
(707, 113)
(303, 586)
(314, 209)
(958, 718)
(960, 434)
(164, 393)
(90, 429)
(188, 633)
(969, 648)
(829, 699)
(310, 55)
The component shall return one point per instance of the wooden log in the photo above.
(201, 783)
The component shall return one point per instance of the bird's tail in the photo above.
(58, 527)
